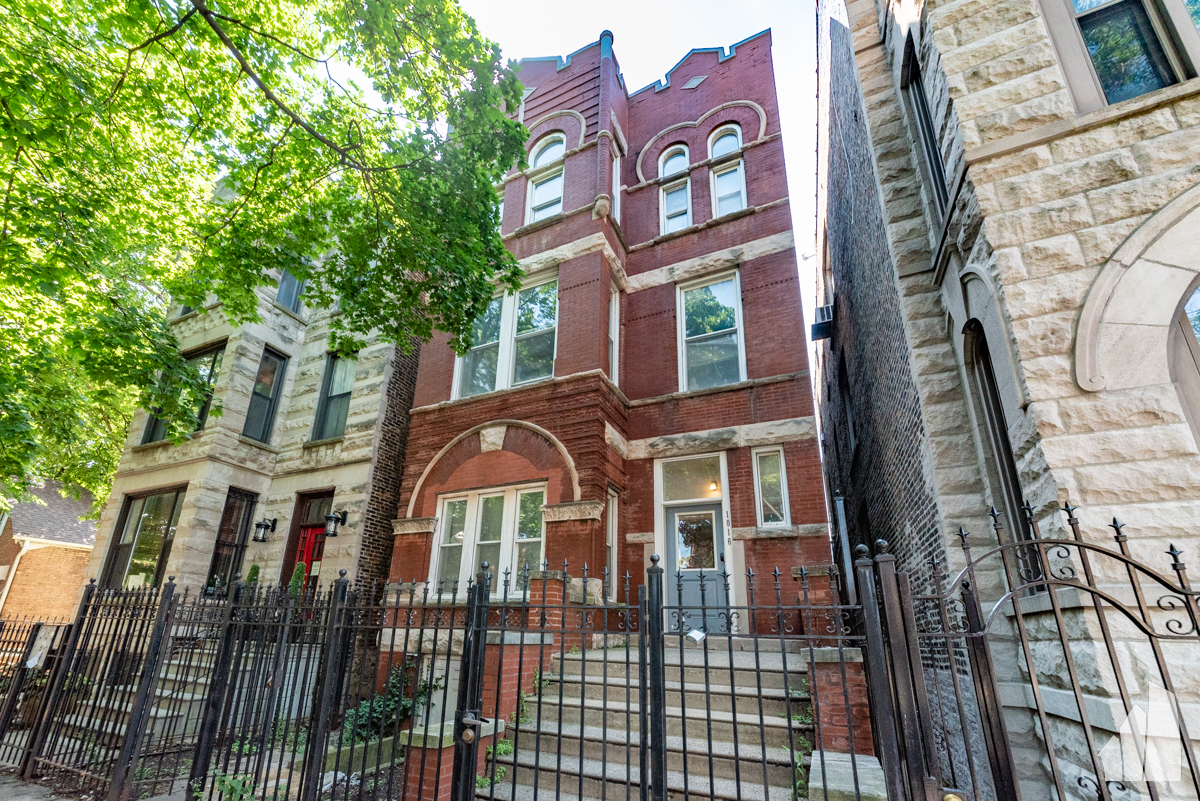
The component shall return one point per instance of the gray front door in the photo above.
(695, 562)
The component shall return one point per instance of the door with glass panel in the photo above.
(501, 527)
(695, 543)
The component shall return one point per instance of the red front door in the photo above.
(310, 551)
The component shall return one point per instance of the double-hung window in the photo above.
(334, 404)
(770, 487)
(264, 398)
(611, 518)
(501, 527)
(711, 346)
(290, 290)
(728, 177)
(676, 195)
(616, 189)
(513, 342)
(546, 179)
(208, 363)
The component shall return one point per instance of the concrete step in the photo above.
(611, 714)
(693, 695)
(591, 778)
(741, 669)
(724, 759)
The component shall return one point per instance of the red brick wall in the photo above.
(47, 584)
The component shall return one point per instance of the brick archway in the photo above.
(499, 451)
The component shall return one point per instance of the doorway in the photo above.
(306, 543)
(695, 563)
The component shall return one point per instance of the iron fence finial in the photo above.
(882, 547)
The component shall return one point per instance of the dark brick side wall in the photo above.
(375, 553)
(885, 475)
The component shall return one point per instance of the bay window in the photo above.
(503, 527)
(208, 364)
(711, 346)
(334, 404)
(264, 398)
(513, 342)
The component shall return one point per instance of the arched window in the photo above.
(675, 201)
(1184, 359)
(545, 196)
(728, 177)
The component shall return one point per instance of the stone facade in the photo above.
(1065, 239)
(1008, 260)
(360, 468)
(592, 435)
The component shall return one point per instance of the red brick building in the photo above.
(647, 391)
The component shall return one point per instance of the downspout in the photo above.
(12, 572)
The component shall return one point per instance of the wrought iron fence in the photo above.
(544, 684)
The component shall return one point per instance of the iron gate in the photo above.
(1045, 668)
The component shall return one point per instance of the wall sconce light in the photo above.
(333, 520)
(712, 487)
(262, 527)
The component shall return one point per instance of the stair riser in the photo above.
(614, 789)
(767, 679)
(723, 767)
(716, 701)
(748, 733)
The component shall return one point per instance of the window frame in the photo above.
(319, 419)
(297, 304)
(616, 188)
(737, 165)
(681, 325)
(669, 183)
(236, 547)
(612, 519)
(508, 536)
(758, 498)
(506, 363)
(273, 401)
(916, 101)
(614, 335)
(1178, 37)
(114, 542)
(150, 434)
(541, 174)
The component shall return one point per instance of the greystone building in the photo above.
(302, 434)
(1009, 225)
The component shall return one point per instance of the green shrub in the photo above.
(377, 716)
(296, 584)
(252, 575)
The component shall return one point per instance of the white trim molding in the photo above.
(1121, 337)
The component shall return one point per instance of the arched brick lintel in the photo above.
(537, 445)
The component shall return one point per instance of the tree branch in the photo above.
(211, 19)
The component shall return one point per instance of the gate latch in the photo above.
(470, 723)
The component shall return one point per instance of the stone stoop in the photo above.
(832, 778)
(724, 741)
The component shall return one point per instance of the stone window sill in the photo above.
(320, 443)
(265, 446)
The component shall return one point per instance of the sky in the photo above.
(651, 36)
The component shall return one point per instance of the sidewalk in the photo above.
(13, 789)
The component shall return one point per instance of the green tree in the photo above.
(181, 149)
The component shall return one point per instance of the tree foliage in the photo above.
(184, 149)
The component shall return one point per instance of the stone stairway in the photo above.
(738, 726)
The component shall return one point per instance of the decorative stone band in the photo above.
(414, 525)
(780, 532)
(810, 571)
(718, 260)
(642, 537)
(573, 510)
(713, 439)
